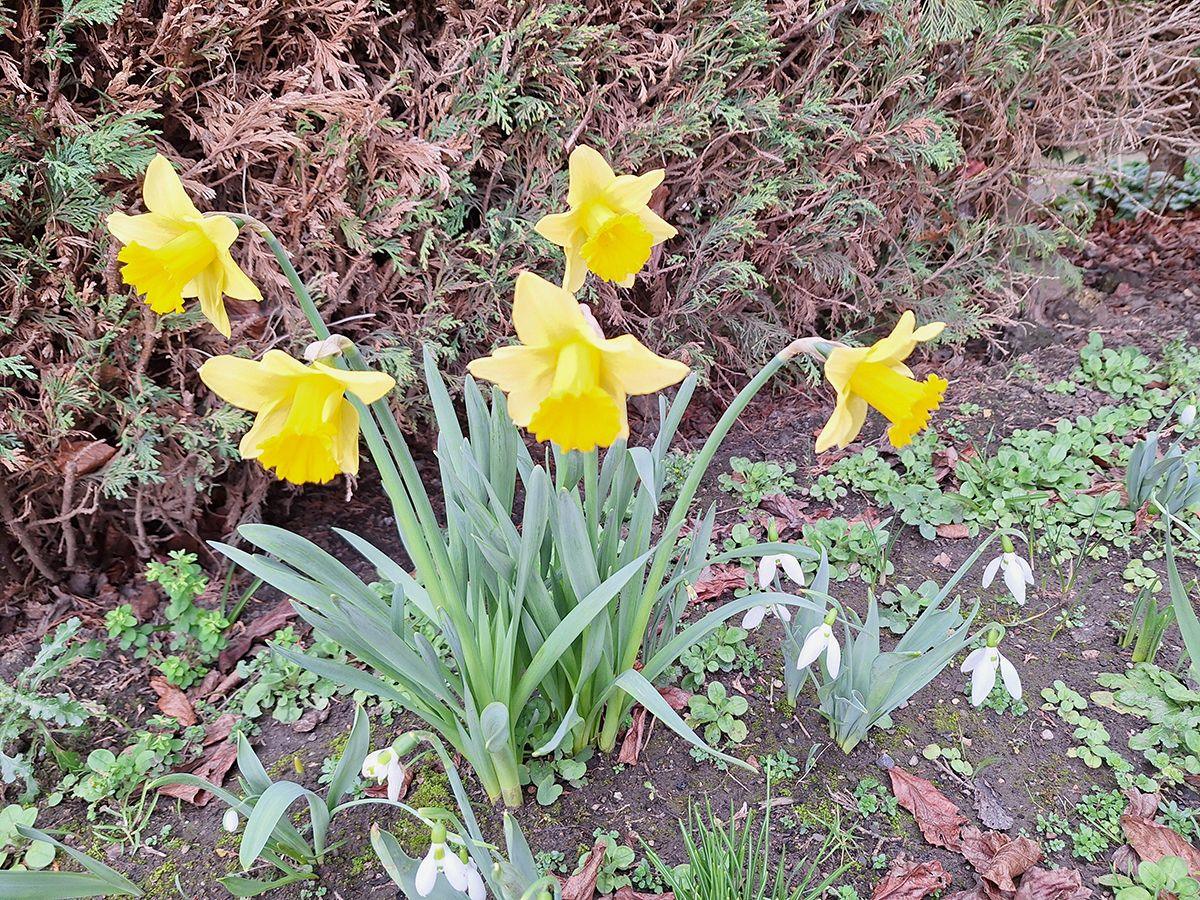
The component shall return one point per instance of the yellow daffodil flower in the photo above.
(877, 376)
(567, 383)
(609, 228)
(306, 429)
(173, 251)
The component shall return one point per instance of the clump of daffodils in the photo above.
(174, 252)
(983, 664)
(876, 376)
(1017, 572)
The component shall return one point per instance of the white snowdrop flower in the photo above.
(1188, 415)
(230, 820)
(1017, 572)
(439, 860)
(384, 765)
(768, 567)
(822, 640)
(982, 664)
(772, 562)
(476, 890)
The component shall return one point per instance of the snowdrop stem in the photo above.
(1007, 544)
(995, 633)
(831, 616)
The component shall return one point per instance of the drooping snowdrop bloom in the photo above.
(476, 890)
(822, 640)
(982, 664)
(1188, 415)
(230, 820)
(767, 568)
(384, 765)
(1017, 572)
(439, 859)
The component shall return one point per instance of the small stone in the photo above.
(1047, 735)
(912, 760)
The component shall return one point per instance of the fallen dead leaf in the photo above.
(943, 560)
(790, 509)
(172, 701)
(582, 885)
(628, 893)
(911, 880)
(1051, 884)
(1151, 841)
(999, 859)
(213, 766)
(718, 579)
(953, 531)
(85, 457)
(631, 746)
(937, 815)
(266, 624)
(991, 811)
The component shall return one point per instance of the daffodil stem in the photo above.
(635, 637)
(413, 532)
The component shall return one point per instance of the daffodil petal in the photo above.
(163, 191)
(209, 284)
(545, 314)
(237, 284)
(590, 174)
(220, 230)
(267, 424)
(366, 386)
(346, 447)
(635, 190)
(575, 272)
(243, 383)
(558, 228)
(525, 374)
(639, 370)
(841, 363)
(660, 230)
(149, 229)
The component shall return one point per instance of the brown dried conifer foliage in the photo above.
(828, 163)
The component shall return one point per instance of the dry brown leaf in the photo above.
(582, 885)
(85, 457)
(718, 579)
(628, 893)
(999, 859)
(266, 624)
(172, 701)
(953, 531)
(910, 880)
(213, 766)
(631, 746)
(1152, 841)
(1051, 884)
(937, 815)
